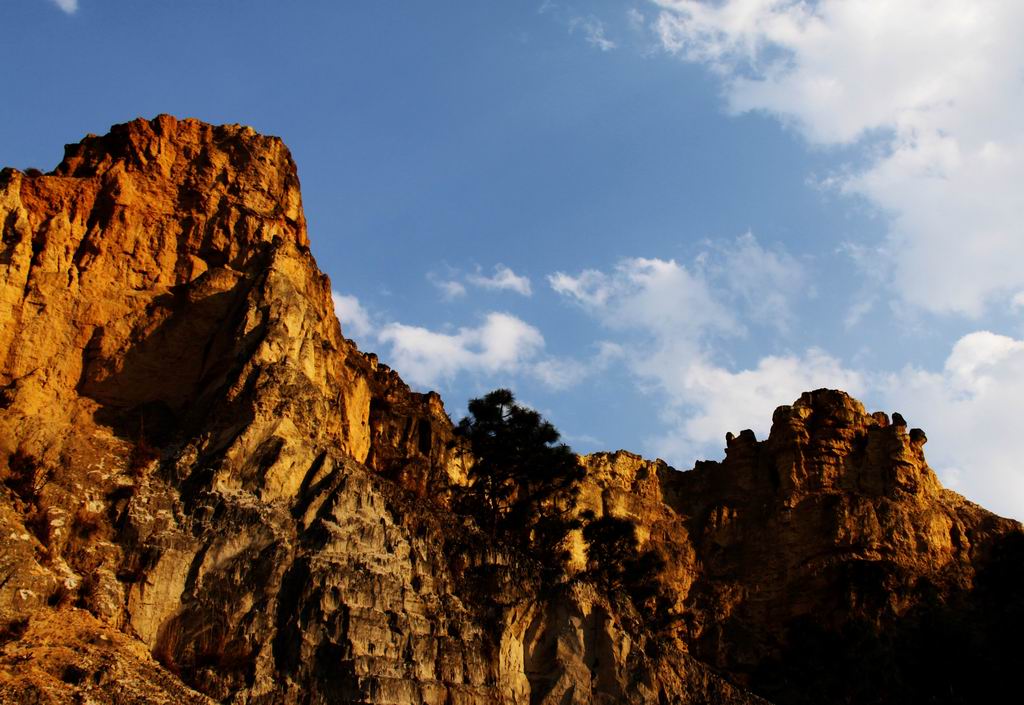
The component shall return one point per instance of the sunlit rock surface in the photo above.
(210, 495)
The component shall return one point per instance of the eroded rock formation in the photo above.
(210, 495)
(828, 548)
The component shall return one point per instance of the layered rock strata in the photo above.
(210, 495)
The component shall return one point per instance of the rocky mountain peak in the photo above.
(210, 495)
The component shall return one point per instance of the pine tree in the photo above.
(615, 561)
(523, 481)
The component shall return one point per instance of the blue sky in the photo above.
(655, 221)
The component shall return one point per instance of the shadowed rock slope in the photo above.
(210, 495)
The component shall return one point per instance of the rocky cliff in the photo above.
(210, 495)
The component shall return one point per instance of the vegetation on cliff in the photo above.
(523, 481)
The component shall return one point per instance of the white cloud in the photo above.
(501, 344)
(971, 412)
(582, 439)
(659, 296)
(69, 6)
(874, 268)
(764, 282)
(450, 289)
(635, 18)
(673, 314)
(503, 279)
(593, 31)
(589, 288)
(706, 400)
(560, 373)
(353, 317)
(732, 280)
(936, 83)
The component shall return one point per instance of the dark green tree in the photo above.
(616, 563)
(612, 547)
(523, 480)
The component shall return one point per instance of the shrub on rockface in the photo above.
(522, 496)
(616, 563)
(523, 481)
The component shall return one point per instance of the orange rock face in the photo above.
(170, 354)
(831, 534)
(210, 495)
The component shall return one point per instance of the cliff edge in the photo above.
(210, 495)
